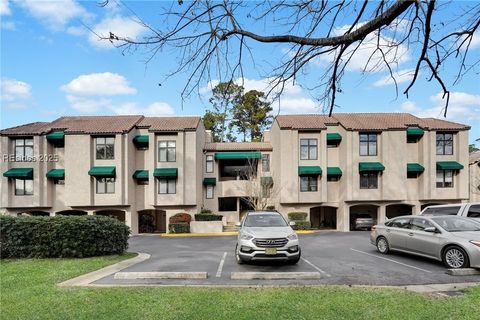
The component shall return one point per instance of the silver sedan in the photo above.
(451, 239)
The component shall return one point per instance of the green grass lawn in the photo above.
(28, 291)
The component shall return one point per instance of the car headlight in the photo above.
(246, 236)
(293, 236)
(477, 243)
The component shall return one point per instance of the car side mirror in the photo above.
(292, 223)
(238, 224)
(430, 229)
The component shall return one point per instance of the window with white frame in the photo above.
(167, 151)
(167, 186)
(209, 191)
(209, 164)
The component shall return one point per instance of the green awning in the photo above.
(140, 175)
(165, 172)
(414, 132)
(334, 171)
(19, 173)
(415, 167)
(56, 135)
(334, 137)
(370, 166)
(209, 181)
(449, 165)
(238, 155)
(56, 174)
(141, 140)
(104, 172)
(266, 181)
(309, 171)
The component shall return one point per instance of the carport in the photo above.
(396, 210)
(117, 214)
(150, 221)
(36, 213)
(360, 209)
(323, 217)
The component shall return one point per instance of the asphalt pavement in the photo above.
(339, 258)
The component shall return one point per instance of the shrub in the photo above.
(297, 216)
(181, 227)
(208, 217)
(205, 211)
(270, 208)
(180, 217)
(61, 236)
(302, 225)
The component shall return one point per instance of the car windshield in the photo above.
(457, 224)
(264, 220)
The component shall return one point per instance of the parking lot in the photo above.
(338, 258)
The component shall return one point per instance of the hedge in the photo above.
(61, 236)
(208, 217)
(180, 227)
(180, 217)
(302, 225)
(297, 216)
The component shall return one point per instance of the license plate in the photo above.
(270, 251)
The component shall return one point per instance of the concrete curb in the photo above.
(274, 275)
(88, 278)
(463, 272)
(159, 275)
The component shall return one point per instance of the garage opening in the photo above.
(363, 216)
(323, 217)
(396, 210)
(71, 213)
(152, 221)
(117, 214)
(36, 213)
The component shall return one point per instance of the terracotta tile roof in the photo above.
(170, 123)
(95, 124)
(438, 124)
(365, 121)
(304, 121)
(34, 128)
(238, 146)
(474, 157)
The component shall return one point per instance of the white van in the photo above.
(468, 210)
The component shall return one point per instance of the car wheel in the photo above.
(455, 258)
(237, 256)
(382, 245)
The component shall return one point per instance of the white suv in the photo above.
(265, 235)
(467, 210)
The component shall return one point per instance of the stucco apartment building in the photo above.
(143, 170)
(474, 167)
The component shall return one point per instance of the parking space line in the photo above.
(220, 266)
(397, 262)
(316, 268)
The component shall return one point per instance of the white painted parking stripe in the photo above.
(397, 262)
(316, 268)
(220, 266)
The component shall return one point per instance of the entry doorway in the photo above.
(152, 221)
(323, 217)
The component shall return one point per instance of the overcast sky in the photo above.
(51, 65)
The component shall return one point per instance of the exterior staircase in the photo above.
(230, 227)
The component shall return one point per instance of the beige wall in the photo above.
(475, 182)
